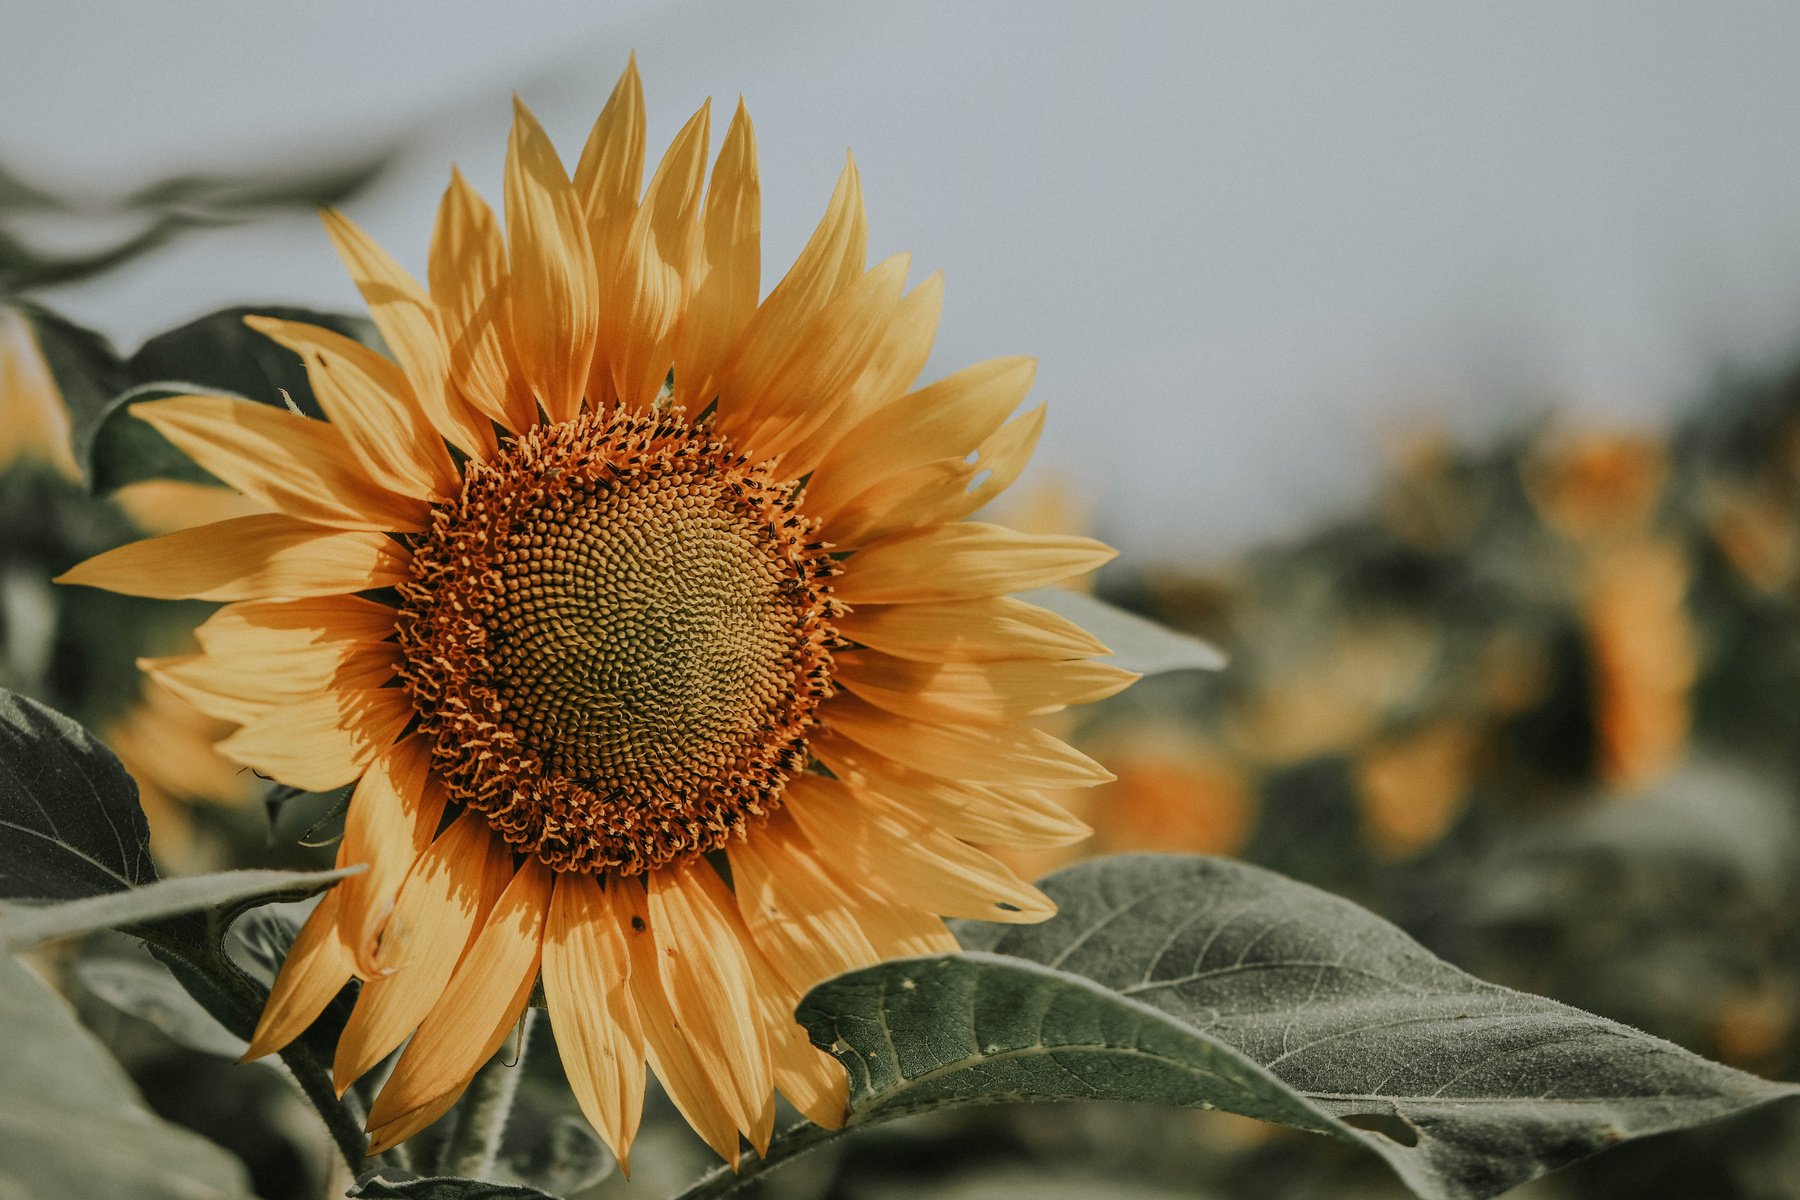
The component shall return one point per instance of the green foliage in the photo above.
(385, 1185)
(1202, 983)
(71, 1123)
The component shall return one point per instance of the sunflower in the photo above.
(644, 618)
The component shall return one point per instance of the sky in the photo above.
(1252, 245)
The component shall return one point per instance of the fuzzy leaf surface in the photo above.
(1202, 982)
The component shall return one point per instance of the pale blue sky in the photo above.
(1247, 241)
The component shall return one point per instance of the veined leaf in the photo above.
(70, 825)
(143, 987)
(70, 1120)
(1137, 644)
(1202, 982)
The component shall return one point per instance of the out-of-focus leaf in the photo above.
(564, 1155)
(1201, 982)
(1136, 644)
(71, 1123)
(225, 195)
(70, 825)
(88, 372)
(145, 989)
(23, 926)
(23, 269)
(215, 355)
(387, 1184)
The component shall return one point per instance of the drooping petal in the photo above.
(709, 989)
(994, 627)
(483, 1002)
(727, 276)
(440, 908)
(468, 278)
(881, 846)
(963, 561)
(368, 399)
(553, 292)
(324, 742)
(265, 556)
(807, 925)
(392, 818)
(995, 816)
(946, 419)
(316, 968)
(586, 972)
(678, 1060)
(982, 693)
(302, 467)
(645, 298)
(408, 323)
(1009, 756)
(812, 1080)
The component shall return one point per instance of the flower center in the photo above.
(616, 638)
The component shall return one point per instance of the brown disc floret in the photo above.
(616, 638)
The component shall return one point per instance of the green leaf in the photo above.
(70, 825)
(88, 372)
(144, 988)
(1136, 644)
(215, 355)
(71, 1123)
(385, 1183)
(23, 926)
(1202, 982)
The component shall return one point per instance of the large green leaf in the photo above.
(387, 1184)
(70, 1121)
(70, 825)
(1201, 982)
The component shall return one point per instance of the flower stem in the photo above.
(475, 1143)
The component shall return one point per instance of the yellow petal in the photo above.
(946, 419)
(677, 1058)
(727, 276)
(485, 998)
(34, 421)
(994, 816)
(881, 846)
(393, 816)
(408, 323)
(902, 353)
(610, 172)
(241, 688)
(367, 398)
(807, 924)
(709, 989)
(994, 627)
(586, 971)
(946, 490)
(963, 561)
(1017, 756)
(811, 1079)
(303, 467)
(439, 909)
(468, 278)
(644, 299)
(983, 693)
(553, 292)
(262, 624)
(247, 558)
(165, 505)
(386, 1136)
(324, 742)
(812, 374)
(316, 968)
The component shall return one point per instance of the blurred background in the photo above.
(1440, 361)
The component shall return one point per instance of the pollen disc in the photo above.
(616, 638)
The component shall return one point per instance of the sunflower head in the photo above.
(640, 608)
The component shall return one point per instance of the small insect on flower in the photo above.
(615, 575)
